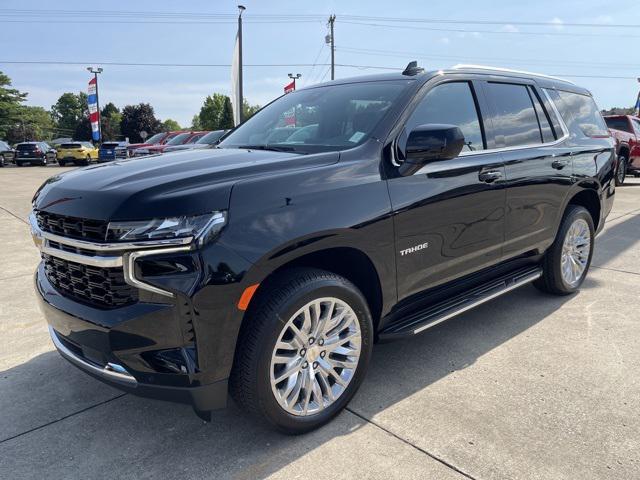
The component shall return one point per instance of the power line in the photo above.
(134, 64)
(396, 53)
(496, 32)
(488, 22)
(226, 65)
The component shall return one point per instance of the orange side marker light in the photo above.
(246, 296)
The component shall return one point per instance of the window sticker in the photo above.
(356, 137)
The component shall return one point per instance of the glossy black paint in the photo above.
(475, 211)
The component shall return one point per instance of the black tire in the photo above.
(621, 174)
(551, 280)
(61, 163)
(269, 311)
(19, 164)
(2, 161)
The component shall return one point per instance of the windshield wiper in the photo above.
(273, 148)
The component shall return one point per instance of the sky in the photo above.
(286, 34)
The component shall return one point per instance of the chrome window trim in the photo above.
(111, 371)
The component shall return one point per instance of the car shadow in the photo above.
(138, 437)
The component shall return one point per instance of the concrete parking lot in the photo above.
(527, 386)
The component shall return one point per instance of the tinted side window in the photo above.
(580, 113)
(515, 122)
(636, 125)
(543, 118)
(454, 104)
(618, 123)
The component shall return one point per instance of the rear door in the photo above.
(634, 155)
(538, 168)
(449, 216)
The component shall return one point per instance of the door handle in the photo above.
(490, 176)
(559, 164)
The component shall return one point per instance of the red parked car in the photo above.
(157, 139)
(625, 129)
(181, 138)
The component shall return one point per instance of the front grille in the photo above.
(72, 227)
(95, 286)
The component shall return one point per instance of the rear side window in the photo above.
(515, 120)
(636, 125)
(454, 104)
(543, 118)
(618, 123)
(580, 113)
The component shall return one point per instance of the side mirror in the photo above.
(429, 143)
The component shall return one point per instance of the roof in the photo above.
(545, 80)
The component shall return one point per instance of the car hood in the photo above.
(182, 183)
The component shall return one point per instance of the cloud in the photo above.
(558, 23)
(510, 28)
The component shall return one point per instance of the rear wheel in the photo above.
(621, 174)
(61, 163)
(567, 261)
(303, 350)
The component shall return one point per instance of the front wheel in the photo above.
(2, 161)
(303, 350)
(567, 261)
(621, 174)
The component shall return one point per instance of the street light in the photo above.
(95, 72)
(294, 77)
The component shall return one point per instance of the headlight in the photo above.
(202, 227)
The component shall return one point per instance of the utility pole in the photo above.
(241, 9)
(332, 20)
(95, 72)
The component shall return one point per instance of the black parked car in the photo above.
(6, 153)
(30, 153)
(269, 269)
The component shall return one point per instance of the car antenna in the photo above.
(413, 69)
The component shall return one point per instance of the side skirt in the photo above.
(432, 315)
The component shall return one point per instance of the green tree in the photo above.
(195, 122)
(211, 112)
(226, 119)
(68, 112)
(248, 110)
(110, 118)
(32, 123)
(170, 125)
(136, 118)
(10, 105)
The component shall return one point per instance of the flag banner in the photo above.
(235, 83)
(94, 114)
(290, 87)
(637, 106)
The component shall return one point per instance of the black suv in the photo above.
(339, 215)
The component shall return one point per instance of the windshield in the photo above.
(155, 139)
(335, 117)
(195, 138)
(178, 139)
(211, 137)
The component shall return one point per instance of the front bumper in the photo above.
(114, 347)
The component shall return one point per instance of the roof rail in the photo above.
(508, 70)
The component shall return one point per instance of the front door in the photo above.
(449, 216)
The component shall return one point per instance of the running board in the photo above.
(433, 315)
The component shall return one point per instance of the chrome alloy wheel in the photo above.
(316, 356)
(575, 252)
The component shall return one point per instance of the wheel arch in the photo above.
(589, 199)
(348, 262)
